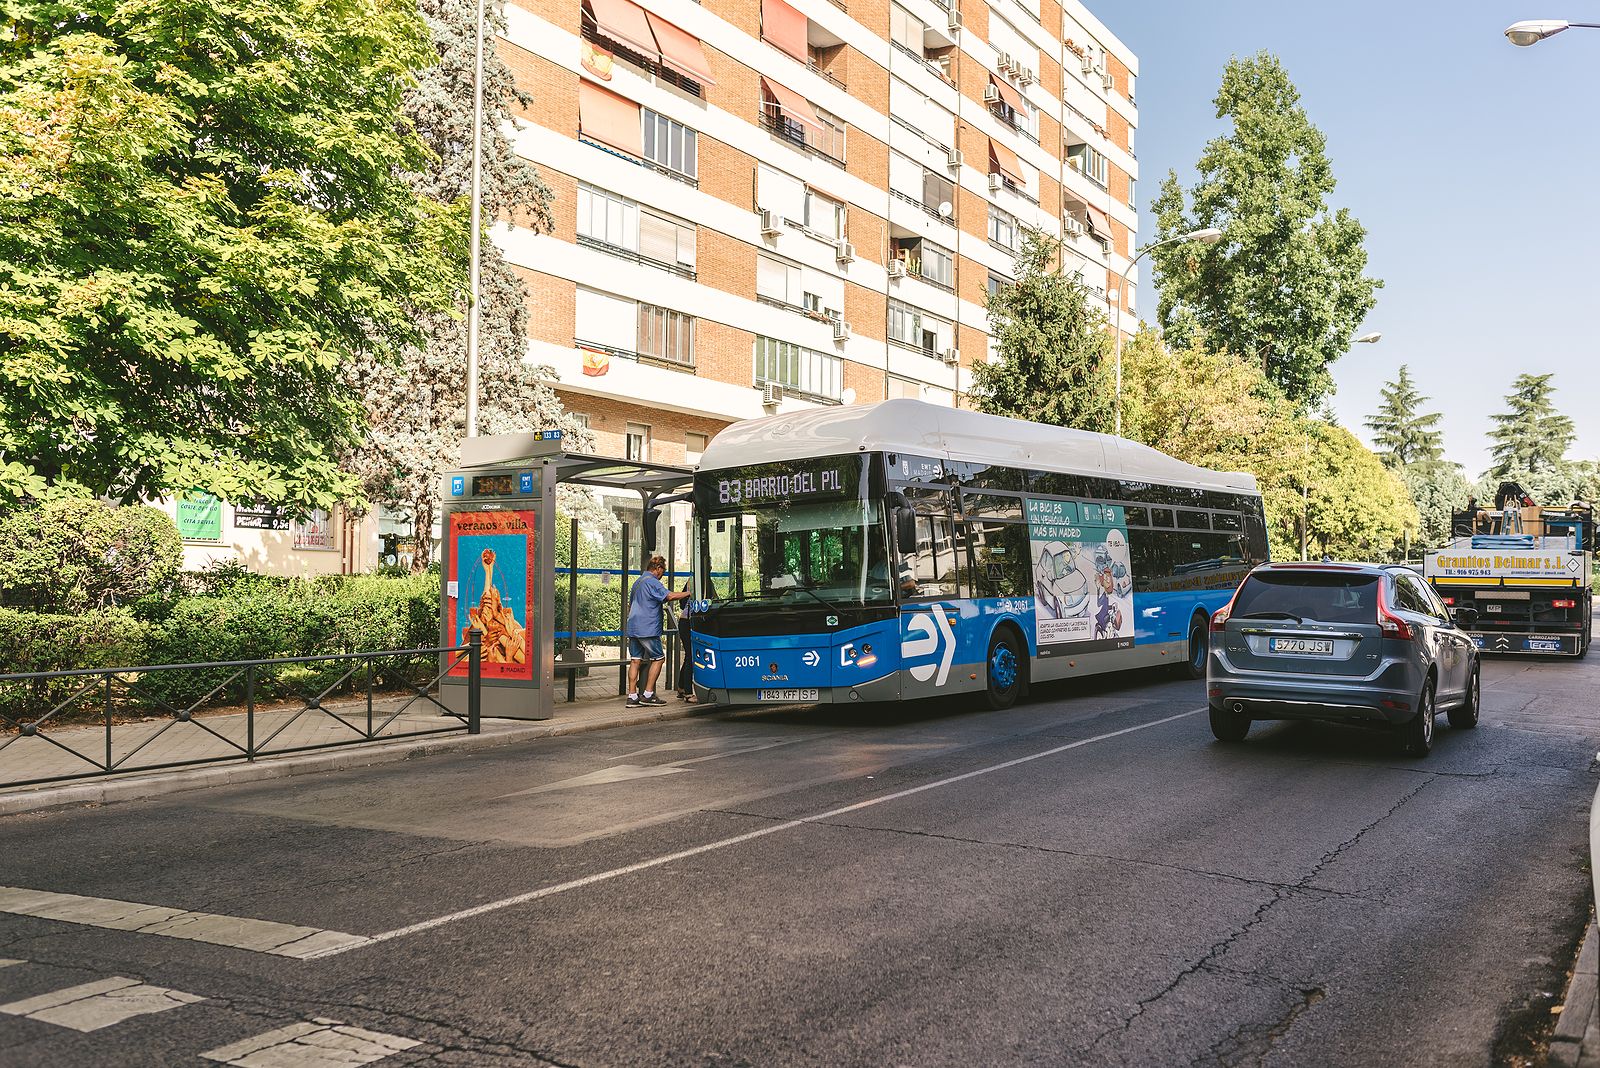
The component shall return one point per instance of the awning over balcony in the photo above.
(608, 118)
(624, 22)
(784, 27)
(1004, 161)
(1100, 223)
(681, 50)
(792, 104)
(1012, 98)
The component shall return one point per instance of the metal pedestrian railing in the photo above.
(51, 720)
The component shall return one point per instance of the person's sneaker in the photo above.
(633, 701)
(651, 699)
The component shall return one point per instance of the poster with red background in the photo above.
(491, 585)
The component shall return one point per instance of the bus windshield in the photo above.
(832, 552)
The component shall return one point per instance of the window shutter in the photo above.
(658, 238)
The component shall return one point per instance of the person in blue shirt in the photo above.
(643, 626)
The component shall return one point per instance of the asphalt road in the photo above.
(1087, 879)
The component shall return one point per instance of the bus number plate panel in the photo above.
(786, 695)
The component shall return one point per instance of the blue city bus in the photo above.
(902, 550)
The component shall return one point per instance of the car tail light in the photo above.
(1393, 626)
(1565, 602)
(1219, 619)
(1448, 600)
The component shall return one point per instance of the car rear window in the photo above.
(1326, 596)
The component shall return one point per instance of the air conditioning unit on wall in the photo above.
(771, 223)
(897, 268)
(951, 356)
(843, 251)
(991, 95)
(771, 394)
(996, 183)
(955, 159)
(841, 330)
(955, 19)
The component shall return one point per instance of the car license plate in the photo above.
(1303, 646)
(786, 695)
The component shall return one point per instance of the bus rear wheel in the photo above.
(1004, 672)
(1199, 647)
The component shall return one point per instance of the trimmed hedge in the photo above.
(254, 618)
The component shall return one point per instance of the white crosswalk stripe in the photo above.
(91, 1006)
(238, 932)
(320, 1044)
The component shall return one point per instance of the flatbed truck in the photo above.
(1526, 572)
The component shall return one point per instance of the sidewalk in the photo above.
(1576, 1042)
(34, 758)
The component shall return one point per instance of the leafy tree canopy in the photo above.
(1439, 489)
(1402, 433)
(1530, 435)
(1052, 347)
(416, 406)
(203, 218)
(1284, 289)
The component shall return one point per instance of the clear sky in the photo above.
(1474, 165)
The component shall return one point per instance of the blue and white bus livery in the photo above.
(903, 550)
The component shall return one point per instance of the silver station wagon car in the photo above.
(1364, 644)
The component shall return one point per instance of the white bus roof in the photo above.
(920, 429)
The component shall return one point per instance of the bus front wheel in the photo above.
(1004, 672)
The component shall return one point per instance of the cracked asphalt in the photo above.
(1086, 879)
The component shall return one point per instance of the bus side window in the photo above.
(1000, 564)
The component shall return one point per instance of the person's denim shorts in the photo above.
(646, 649)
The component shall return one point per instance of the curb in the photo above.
(1580, 1015)
(135, 786)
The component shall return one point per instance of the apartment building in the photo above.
(763, 205)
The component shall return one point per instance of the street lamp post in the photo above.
(1209, 235)
(475, 255)
(1305, 482)
(1532, 31)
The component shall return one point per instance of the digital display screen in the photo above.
(505, 484)
(813, 478)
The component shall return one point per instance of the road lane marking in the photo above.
(237, 932)
(630, 772)
(91, 1006)
(321, 1044)
(738, 839)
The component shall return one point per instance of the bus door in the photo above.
(933, 574)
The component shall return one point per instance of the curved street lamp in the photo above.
(1208, 235)
(1532, 31)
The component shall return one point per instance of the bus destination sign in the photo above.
(778, 483)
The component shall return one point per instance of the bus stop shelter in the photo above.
(500, 504)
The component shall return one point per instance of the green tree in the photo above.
(203, 217)
(1439, 489)
(416, 406)
(1053, 347)
(1550, 487)
(1530, 436)
(1402, 433)
(1284, 288)
(69, 555)
(1355, 507)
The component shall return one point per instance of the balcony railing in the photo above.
(812, 64)
(794, 133)
(637, 357)
(932, 212)
(682, 270)
(641, 162)
(1001, 112)
(658, 71)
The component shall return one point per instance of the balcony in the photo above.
(1008, 117)
(682, 270)
(638, 161)
(650, 359)
(793, 133)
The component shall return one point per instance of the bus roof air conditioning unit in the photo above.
(841, 330)
(771, 223)
(771, 394)
(951, 356)
(843, 251)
